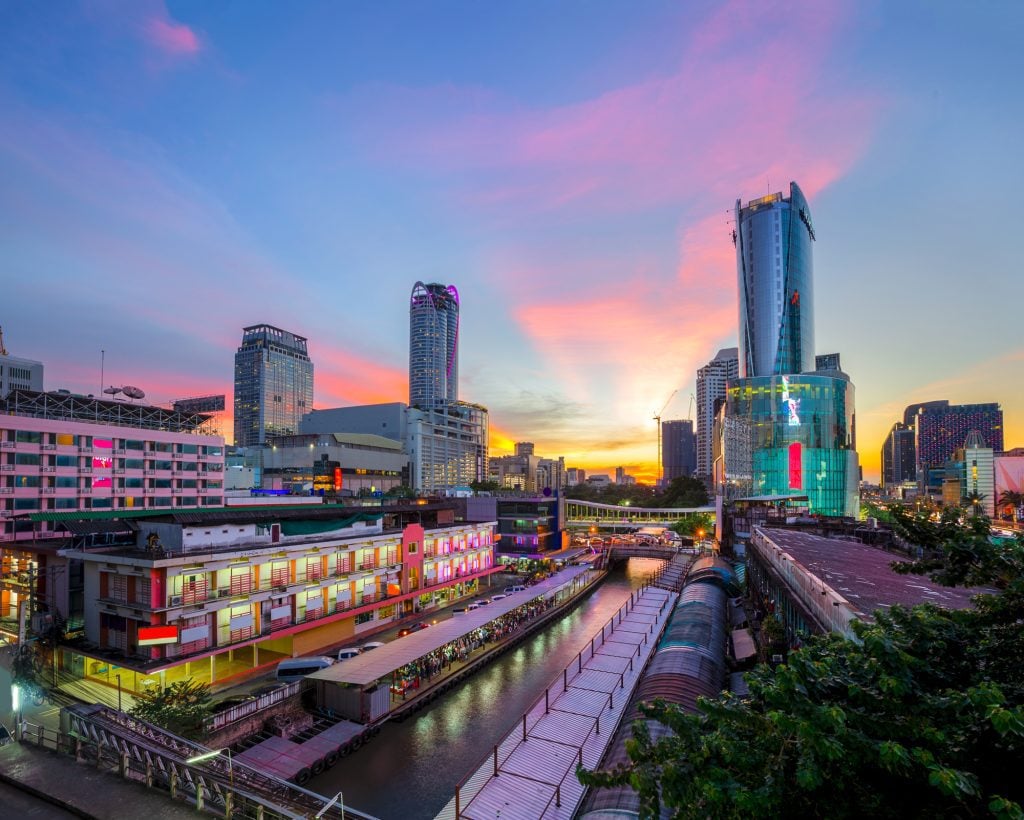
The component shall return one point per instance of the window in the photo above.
(67, 461)
(28, 437)
(26, 459)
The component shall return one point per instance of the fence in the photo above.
(471, 785)
(250, 707)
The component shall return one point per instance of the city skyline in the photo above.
(177, 172)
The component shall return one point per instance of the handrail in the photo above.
(633, 600)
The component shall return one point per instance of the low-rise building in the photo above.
(218, 594)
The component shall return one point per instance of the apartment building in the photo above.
(63, 452)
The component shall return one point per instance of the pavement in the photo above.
(81, 790)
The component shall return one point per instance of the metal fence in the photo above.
(250, 707)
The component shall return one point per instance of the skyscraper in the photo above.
(433, 346)
(773, 238)
(711, 381)
(941, 428)
(273, 384)
(798, 412)
(898, 457)
(678, 449)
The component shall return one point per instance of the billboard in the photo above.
(156, 635)
(202, 404)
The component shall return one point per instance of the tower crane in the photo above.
(657, 420)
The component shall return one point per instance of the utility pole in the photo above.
(657, 420)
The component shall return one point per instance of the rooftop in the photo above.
(863, 575)
(58, 406)
(364, 669)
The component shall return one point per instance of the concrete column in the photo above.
(213, 669)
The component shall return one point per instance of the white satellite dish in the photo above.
(113, 391)
(133, 392)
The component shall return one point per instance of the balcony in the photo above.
(368, 565)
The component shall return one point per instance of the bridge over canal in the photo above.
(582, 515)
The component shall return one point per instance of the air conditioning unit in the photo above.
(175, 600)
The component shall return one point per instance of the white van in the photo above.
(297, 668)
(348, 652)
(516, 588)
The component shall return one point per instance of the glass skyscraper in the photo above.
(802, 438)
(273, 384)
(773, 238)
(433, 346)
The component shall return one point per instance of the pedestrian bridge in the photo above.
(585, 514)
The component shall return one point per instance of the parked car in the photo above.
(516, 588)
(501, 596)
(408, 630)
(372, 645)
(348, 652)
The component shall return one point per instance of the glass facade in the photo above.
(433, 346)
(273, 384)
(775, 269)
(802, 438)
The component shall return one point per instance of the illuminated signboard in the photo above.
(796, 470)
(155, 635)
(790, 404)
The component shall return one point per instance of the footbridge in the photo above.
(582, 515)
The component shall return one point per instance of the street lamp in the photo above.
(213, 754)
(336, 799)
(118, 692)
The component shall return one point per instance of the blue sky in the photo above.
(173, 172)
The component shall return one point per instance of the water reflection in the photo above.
(410, 769)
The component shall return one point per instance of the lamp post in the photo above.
(118, 692)
(213, 754)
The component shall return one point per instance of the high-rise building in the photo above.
(17, 373)
(801, 422)
(711, 381)
(433, 346)
(773, 239)
(273, 384)
(678, 449)
(899, 464)
(941, 428)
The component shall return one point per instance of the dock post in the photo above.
(558, 796)
(622, 679)
(457, 810)
(495, 761)
(565, 679)
(547, 705)
(524, 727)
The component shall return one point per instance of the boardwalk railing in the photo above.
(250, 707)
(480, 774)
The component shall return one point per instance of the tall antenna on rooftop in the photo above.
(103, 361)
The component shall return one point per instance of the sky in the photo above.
(172, 172)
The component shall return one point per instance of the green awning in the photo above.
(318, 527)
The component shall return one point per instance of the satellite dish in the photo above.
(133, 392)
(113, 391)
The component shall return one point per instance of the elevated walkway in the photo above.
(531, 774)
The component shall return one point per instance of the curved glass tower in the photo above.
(773, 262)
(433, 346)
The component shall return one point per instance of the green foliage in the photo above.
(701, 522)
(684, 491)
(400, 491)
(179, 708)
(922, 715)
(484, 486)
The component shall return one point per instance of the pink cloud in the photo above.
(175, 39)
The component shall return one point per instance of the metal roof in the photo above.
(862, 574)
(381, 662)
(367, 440)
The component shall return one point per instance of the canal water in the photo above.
(409, 771)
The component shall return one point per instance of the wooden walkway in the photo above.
(531, 774)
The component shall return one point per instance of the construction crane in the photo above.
(689, 413)
(657, 420)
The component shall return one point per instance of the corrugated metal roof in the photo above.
(381, 662)
(367, 440)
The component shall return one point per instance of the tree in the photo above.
(180, 708)
(684, 491)
(400, 491)
(694, 524)
(484, 486)
(920, 715)
(1013, 500)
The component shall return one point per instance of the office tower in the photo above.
(978, 465)
(17, 373)
(800, 422)
(273, 384)
(678, 449)
(941, 428)
(773, 237)
(433, 346)
(524, 448)
(711, 381)
(899, 463)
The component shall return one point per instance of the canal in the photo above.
(410, 770)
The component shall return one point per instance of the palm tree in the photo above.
(975, 499)
(1012, 499)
